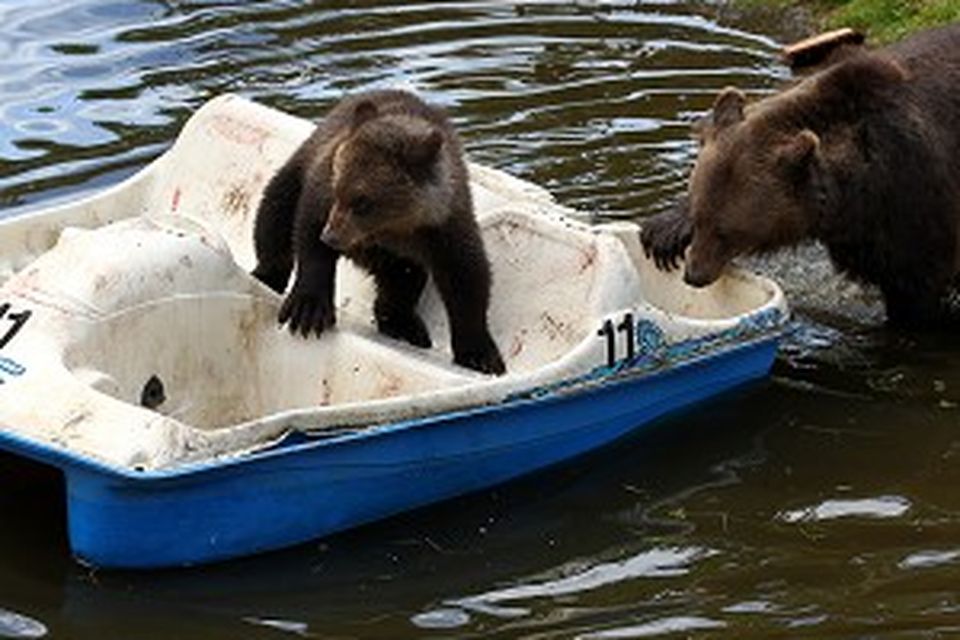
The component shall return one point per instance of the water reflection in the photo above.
(584, 99)
(881, 507)
(288, 626)
(15, 625)
(929, 559)
(654, 563)
(662, 627)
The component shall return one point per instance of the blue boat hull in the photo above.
(300, 491)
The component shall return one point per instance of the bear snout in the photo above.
(706, 259)
(696, 276)
(340, 233)
(697, 280)
(332, 239)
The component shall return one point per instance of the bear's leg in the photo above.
(309, 305)
(399, 284)
(666, 236)
(273, 228)
(461, 272)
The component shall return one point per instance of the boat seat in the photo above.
(551, 282)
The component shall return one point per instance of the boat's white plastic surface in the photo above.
(149, 280)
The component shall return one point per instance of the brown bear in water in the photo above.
(381, 180)
(863, 155)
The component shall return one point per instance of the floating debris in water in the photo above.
(14, 625)
(880, 507)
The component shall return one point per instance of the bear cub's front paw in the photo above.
(306, 312)
(482, 356)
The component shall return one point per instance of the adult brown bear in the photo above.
(863, 155)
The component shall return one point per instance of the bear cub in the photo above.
(863, 155)
(382, 181)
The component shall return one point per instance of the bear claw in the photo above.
(666, 236)
(305, 313)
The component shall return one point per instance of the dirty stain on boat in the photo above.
(820, 504)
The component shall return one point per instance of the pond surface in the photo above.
(821, 503)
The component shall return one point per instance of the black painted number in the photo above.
(609, 332)
(17, 318)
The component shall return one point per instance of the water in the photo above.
(822, 503)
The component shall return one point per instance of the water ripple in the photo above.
(661, 627)
(507, 603)
(583, 98)
(929, 559)
(15, 625)
(880, 507)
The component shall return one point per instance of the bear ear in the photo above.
(728, 108)
(365, 111)
(422, 149)
(799, 151)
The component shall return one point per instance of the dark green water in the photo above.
(823, 503)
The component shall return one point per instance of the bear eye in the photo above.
(361, 206)
(723, 237)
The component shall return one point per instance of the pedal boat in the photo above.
(139, 357)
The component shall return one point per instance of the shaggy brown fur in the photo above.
(863, 156)
(382, 181)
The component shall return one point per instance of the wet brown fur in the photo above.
(863, 156)
(382, 181)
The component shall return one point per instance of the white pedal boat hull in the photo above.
(260, 439)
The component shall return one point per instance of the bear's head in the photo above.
(752, 188)
(765, 173)
(387, 176)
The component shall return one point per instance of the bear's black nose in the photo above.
(696, 278)
(333, 240)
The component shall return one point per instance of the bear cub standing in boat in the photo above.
(381, 180)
